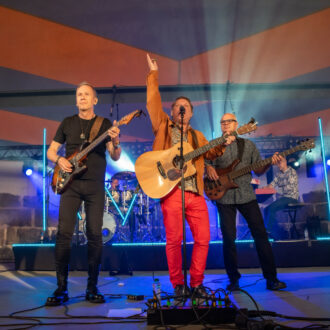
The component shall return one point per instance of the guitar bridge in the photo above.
(161, 170)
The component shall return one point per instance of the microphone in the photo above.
(182, 110)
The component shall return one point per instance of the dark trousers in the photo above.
(271, 210)
(92, 193)
(253, 217)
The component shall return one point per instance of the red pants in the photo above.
(197, 217)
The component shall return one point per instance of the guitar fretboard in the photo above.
(90, 147)
(262, 163)
(201, 150)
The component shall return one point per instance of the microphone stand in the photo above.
(185, 286)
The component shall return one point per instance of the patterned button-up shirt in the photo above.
(244, 193)
(190, 181)
(286, 183)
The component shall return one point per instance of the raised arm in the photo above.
(154, 102)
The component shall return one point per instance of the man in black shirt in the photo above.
(88, 187)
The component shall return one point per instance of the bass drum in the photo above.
(108, 228)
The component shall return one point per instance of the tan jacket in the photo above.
(162, 128)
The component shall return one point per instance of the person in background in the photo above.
(286, 185)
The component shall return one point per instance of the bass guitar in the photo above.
(158, 172)
(61, 179)
(215, 189)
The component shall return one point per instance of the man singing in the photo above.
(167, 134)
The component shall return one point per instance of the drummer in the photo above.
(115, 190)
(123, 199)
(114, 184)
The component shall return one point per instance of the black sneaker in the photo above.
(94, 296)
(275, 285)
(200, 292)
(59, 297)
(233, 286)
(181, 294)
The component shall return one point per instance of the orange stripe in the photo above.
(306, 125)
(25, 129)
(280, 53)
(29, 130)
(58, 52)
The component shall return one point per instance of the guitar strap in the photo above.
(95, 128)
(195, 141)
(240, 148)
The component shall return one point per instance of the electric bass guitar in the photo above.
(215, 189)
(61, 179)
(158, 172)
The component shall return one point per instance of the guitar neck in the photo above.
(202, 150)
(261, 163)
(90, 147)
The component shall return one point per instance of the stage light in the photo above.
(105, 232)
(293, 161)
(328, 161)
(124, 163)
(27, 169)
(28, 172)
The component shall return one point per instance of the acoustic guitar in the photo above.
(215, 189)
(158, 172)
(61, 179)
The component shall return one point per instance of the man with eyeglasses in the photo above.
(244, 200)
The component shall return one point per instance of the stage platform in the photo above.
(307, 295)
(151, 256)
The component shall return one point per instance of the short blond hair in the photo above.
(85, 83)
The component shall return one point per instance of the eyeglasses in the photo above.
(227, 121)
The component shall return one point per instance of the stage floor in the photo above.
(308, 295)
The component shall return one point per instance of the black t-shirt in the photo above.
(70, 131)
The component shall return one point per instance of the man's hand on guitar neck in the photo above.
(113, 132)
(277, 158)
(229, 140)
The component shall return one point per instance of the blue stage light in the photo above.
(28, 171)
(105, 232)
(328, 162)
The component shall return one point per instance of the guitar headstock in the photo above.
(306, 144)
(251, 126)
(127, 119)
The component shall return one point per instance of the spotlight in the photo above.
(293, 161)
(328, 161)
(27, 169)
(28, 172)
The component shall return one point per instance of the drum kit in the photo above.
(129, 214)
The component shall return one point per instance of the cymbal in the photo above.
(125, 175)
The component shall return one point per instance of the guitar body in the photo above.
(216, 189)
(158, 173)
(61, 180)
